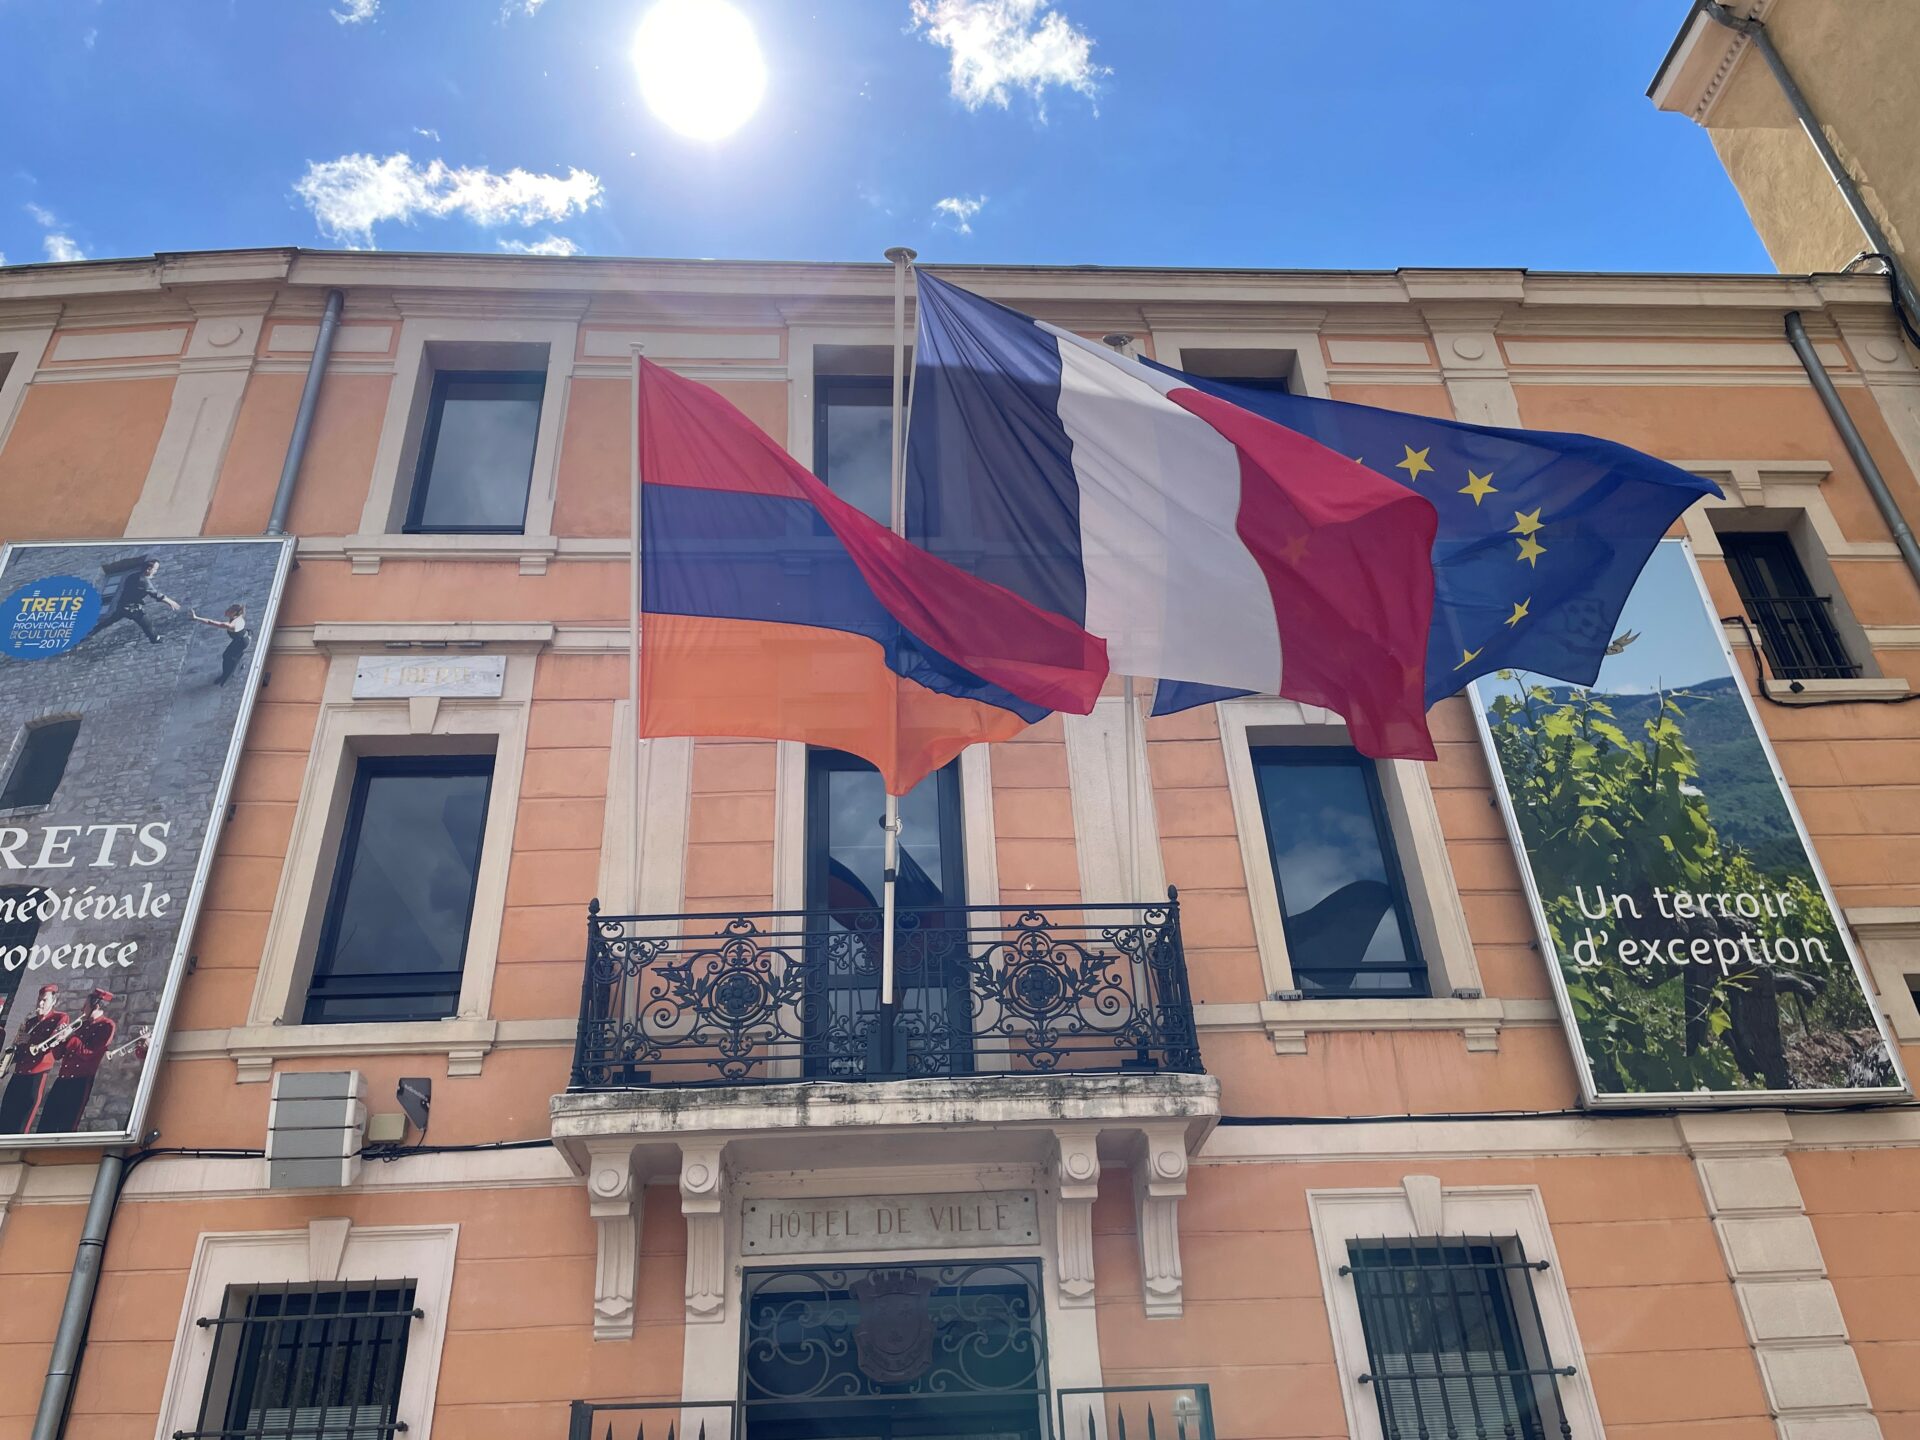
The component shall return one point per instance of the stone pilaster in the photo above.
(1792, 1315)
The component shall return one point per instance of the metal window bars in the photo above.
(1135, 1412)
(1801, 640)
(306, 1362)
(1455, 1343)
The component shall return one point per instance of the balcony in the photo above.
(751, 1056)
(1114, 1412)
(794, 995)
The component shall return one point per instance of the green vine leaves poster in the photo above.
(1698, 955)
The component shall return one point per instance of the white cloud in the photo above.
(358, 12)
(351, 195)
(57, 244)
(528, 8)
(3, 257)
(958, 211)
(427, 133)
(999, 46)
(548, 244)
(91, 37)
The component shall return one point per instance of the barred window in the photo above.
(41, 765)
(306, 1362)
(1455, 1346)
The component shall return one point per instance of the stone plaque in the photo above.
(888, 1222)
(395, 677)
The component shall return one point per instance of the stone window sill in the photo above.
(1288, 1023)
(1813, 692)
(255, 1049)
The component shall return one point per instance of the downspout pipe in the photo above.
(1756, 32)
(56, 1393)
(303, 420)
(1857, 451)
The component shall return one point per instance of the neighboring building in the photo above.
(1852, 60)
(1222, 1186)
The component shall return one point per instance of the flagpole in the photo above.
(1130, 733)
(901, 257)
(633, 658)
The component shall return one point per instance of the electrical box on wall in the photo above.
(316, 1128)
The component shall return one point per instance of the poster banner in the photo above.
(1696, 950)
(127, 671)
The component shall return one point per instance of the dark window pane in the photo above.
(476, 456)
(43, 759)
(845, 869)
(1796, 626)
(313, 1363)
(853, 433)
(1454, 1342)
(396, 930)
(1342, 897)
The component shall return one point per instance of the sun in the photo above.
(699, 67)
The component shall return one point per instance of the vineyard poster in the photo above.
(1696, 950)
(127, 671)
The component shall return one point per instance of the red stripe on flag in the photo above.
(1348, 557)
(692, 437)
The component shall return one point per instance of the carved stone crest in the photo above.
(894, 1337)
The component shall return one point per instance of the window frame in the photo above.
(1741, 550)
(28, 732)
(1262, 754)
(367, 768)
(824, 397)
(325, 1251)
(413, 524)
(1527, 1374)
(1422, 1206)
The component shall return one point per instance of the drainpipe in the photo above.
(1856, 447)
(303, 421)
(57, 1391)
(1756, 32)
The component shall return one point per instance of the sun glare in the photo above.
(699, 67)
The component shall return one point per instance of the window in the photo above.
(476, 453)
(852, 440)
(309, 1362)
(1455, 1344)
(41, 764)
(845, 870)
(1343, 901)
(1796, 626)
(394, 939)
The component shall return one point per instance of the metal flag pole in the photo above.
(1131, 738)
(901, 257)
(634, 786)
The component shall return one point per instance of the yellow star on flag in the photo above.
(1519, 611)
(1415, 463)
(1525, 522)
(1479, 487)
(1467, 657)
(1530, 549)
(1295, 549)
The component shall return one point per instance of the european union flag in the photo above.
(1541, 535)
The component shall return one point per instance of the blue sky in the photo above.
(1283, 133)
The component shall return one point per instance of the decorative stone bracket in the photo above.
(616, 1204)
(703, 1198)
(1076, 1173)
(1159, 1185)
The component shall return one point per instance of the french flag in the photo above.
(1201, 542)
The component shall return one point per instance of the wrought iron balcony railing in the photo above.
(792, 995)
(1114, 1412)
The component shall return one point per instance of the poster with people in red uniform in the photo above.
(127, 672)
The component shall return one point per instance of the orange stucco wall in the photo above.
(1657, 1314)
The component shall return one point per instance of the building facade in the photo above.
(1848, 58)
(1153, 1158)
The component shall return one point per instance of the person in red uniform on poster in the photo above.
(80, 1058)
(32, 1059)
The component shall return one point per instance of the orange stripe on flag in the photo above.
(763, 680)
